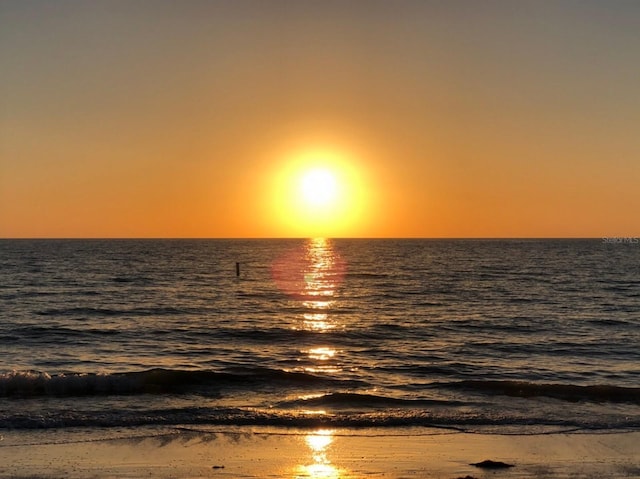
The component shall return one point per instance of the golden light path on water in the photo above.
(314, 283)
(321, 278)
(310, 275)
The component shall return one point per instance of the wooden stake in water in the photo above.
(237, 269)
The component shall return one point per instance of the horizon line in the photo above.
(311, 237)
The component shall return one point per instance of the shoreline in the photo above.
(194, 452)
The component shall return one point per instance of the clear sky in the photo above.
(420, 118)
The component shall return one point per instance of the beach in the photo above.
(237, 452)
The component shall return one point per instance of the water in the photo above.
(475, 335)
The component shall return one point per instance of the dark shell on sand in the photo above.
(488, 464)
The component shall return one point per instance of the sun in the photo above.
(319, 187)
(319, 192)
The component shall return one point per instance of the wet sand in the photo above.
(233, 452)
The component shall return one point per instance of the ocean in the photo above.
(492, 336)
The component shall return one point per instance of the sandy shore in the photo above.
(278, 453)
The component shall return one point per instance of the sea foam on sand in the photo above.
(284, 453)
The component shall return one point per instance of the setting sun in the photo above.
(318, 187)
(319, 192)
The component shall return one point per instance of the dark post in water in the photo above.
(237, 269)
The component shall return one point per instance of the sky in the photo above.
(456, 118)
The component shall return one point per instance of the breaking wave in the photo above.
(153, 381)
(564, 392)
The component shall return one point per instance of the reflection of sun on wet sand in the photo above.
(318, 443)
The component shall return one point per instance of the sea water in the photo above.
(471, 335)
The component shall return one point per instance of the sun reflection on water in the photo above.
(311, 275)
(322, 354)
(321, 279)
(317, 322)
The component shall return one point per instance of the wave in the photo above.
(101, 312)
(239, 416)
(143, 280)
(359, 401)
(564, 392)
(27, 384)
(253, 396)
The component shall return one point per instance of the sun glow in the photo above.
(320, 193)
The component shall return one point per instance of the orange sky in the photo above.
(446, 119)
